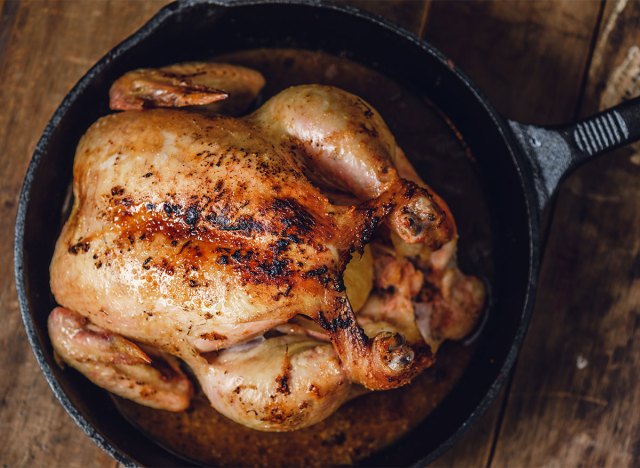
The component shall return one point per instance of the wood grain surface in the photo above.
(575, 392)
(575, 396)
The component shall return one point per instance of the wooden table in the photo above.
(574, 396)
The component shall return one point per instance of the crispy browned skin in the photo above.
(187, 84)
(220, 229)
(345, 145)
(193, 233)
(281, 383)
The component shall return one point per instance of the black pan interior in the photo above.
(191, 31)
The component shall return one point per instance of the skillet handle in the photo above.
(555, 151)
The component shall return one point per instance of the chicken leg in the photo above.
(117, 364)
(348, 147)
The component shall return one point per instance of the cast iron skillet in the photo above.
(520, 166)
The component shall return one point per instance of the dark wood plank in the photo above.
(410, 14)
(529, 58)
(576, 395)
(45, 47)
(615, 66)
(8, 10)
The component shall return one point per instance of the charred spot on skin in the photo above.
(117, 191)
(126, 201)
(317, 272)
(335, 324)
(320, 274)
(79, 247)
(147, 175)
(205, 153)
(245, 225)
(280, 246)
(184, 246)
(150, 206)
(223, 260)
(368, 130)
(219, 195)
(414, 227)
(255, 268)
(283, 379)
(411, 191)
(284, 293)
(293, 238)
(411, 216)
(239, 257)
(283, 384)
(192, 215)
(304, 405)
(293, 216)
(275, 268)
(277, 415)
(145, 264)
(361, 335)
(166, 267)
(322, 321)
(172, 209)
(369, 230)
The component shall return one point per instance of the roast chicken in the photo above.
(287, 260)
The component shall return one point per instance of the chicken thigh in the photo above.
(224, 241)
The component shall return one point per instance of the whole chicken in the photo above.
(292, 259)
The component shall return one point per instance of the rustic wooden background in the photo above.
(574, 397)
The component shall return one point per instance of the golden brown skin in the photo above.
(187, 84)
(284, 383)
(345, 145)
(193, 233)
(221, 227)
(208, 237)
(390, 306)
(450, 303)
(111, 361)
